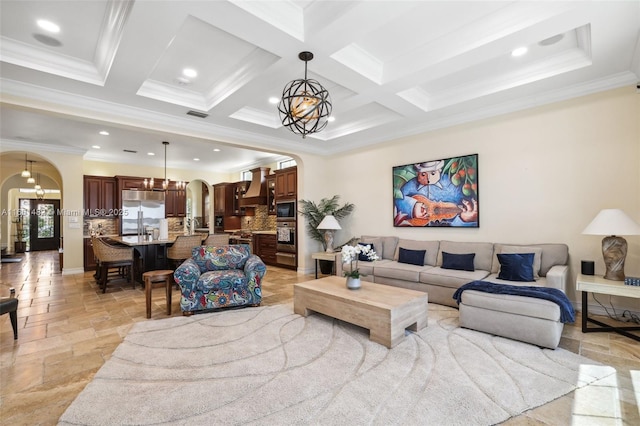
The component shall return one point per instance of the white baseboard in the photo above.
(72, 271)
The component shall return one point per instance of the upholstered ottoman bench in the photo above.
(528, 319)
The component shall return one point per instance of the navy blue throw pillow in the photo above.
(363, 257)
(412, 257)
(516, 267)
(459, 262)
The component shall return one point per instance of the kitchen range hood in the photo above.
(256, 195)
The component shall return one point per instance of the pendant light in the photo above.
(31, 179)
(25, 173)
(37, 185)
(305, 106)
(165, 184)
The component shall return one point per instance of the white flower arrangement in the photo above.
(351, 254)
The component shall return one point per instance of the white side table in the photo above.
(597, 284)
(323, 255)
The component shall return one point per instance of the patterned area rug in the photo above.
(270, 366)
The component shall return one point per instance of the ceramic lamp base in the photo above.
(614, 251)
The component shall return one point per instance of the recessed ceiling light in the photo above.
(150, 153)
(104, 133)
(519, 51)
(190, 72)
(216, 149)
(331, 119)
(196, 159)
(274, 100)
(48, 26)
(95, 146)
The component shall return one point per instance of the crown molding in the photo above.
(22, 145)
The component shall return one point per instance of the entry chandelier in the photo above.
(25, 173)
(305, 106)
(31, 179)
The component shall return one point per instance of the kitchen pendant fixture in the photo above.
(165, 184)
(305, 106)
(25, 173)
(31, 179)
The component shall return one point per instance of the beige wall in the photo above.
(544, 174)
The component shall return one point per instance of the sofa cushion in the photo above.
(516, 266)
(431, 248)
(386, 246)
(552, 254)
(449, 277)
(460, 262)
(227, 280)
(483, 252)
(412, 257)
(399, 271)
(367, 268)
(517, 305)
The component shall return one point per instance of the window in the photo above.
(286, 163)
(246, 175)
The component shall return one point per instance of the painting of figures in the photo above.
(437, 193)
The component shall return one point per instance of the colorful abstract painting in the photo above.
(437, 193)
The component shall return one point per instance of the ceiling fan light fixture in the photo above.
(305, 106)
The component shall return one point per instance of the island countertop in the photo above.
(135, 240)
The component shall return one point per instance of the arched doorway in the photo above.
(31, 202)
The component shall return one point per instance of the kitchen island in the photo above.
(150, 254)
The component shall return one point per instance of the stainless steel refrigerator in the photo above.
(141, 209)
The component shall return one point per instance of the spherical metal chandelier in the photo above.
(305, 106)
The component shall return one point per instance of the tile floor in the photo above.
(68, 329)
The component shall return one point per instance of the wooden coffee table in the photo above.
(385, 310)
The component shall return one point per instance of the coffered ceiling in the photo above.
(393, 68)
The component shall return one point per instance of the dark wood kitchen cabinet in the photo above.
(223, 199)
(99, 196)
(175, 203)
(265, 248)
(89, 257)
(286, 183)
(271, 195)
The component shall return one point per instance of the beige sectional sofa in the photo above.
(528, 319)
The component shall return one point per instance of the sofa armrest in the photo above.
(187, 275)
(558, 276)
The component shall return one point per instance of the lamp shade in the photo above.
(329, 222)
(612, 222)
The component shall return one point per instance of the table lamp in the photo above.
(329, 224)
(613, 222)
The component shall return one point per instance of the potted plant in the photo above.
(314, 213)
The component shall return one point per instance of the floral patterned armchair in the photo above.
(220, 277)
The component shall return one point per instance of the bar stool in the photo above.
(10, 305)
(150, 277)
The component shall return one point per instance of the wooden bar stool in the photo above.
(150, 277)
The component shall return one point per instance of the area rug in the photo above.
(270, 366)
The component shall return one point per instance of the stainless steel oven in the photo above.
(286, 236)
